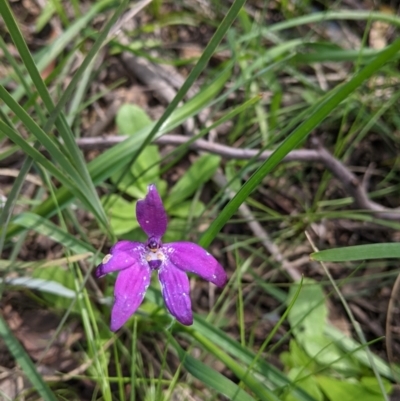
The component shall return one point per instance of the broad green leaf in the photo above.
(326, 353)
(122, 226)
(350, 346)
(359, 252)
(120, 207)
(308, 319)
(232, 176)
(346, 390)
(145, 171)
(198, 173)
(303, 378)
(186, 209)
(296, 357)
(131, 119)
(309, 312)
(372, 384)
(122, 214)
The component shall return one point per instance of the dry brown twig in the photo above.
(349, 181)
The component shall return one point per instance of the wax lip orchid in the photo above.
(135, 262)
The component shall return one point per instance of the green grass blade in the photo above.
(359, 252)
(295, 138)
(7, 211)
(46, 140)
(50, 230)
(25, 362)
(70, 146)
(53, 50)
(354, 15)
(39, 158)
(119, 156)
(210, 377)
(195, 73)
(228, 344)
(67, 95)
(251, 381)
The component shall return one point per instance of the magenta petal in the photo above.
(192, 258)
(130, 288)
(150, 214)
(176, 293)
(122, 255)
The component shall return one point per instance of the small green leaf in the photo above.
(122, 226)
(342, 390)
(186, 209)
(122, 214)
(131, 119)
(308, 319)
(359, 252)
(231, 175)
(372, 384)
(119, 207)
(146, 168)
(145, 171)
(302, 377)
(326, 353)
(296, 357)
(199, 173)
(309, 312)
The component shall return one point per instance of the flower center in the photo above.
(153, 245)
(154, 255)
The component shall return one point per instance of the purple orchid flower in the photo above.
(136, 261)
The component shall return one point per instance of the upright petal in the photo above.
(122, 255)
(150, 214)
(192, 258)
(130, 288)
(176, 293)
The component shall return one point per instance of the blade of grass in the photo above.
(224, 342)
(194, 74)
(8, 208)
(70, 146)
(53, 50)
(359, 252)
(38, 157)
(299, 134)
(255, 385)
(356, 325)
(25, 362)
(210, 377)
(46, 140)
(118, 156)
(50, 230)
